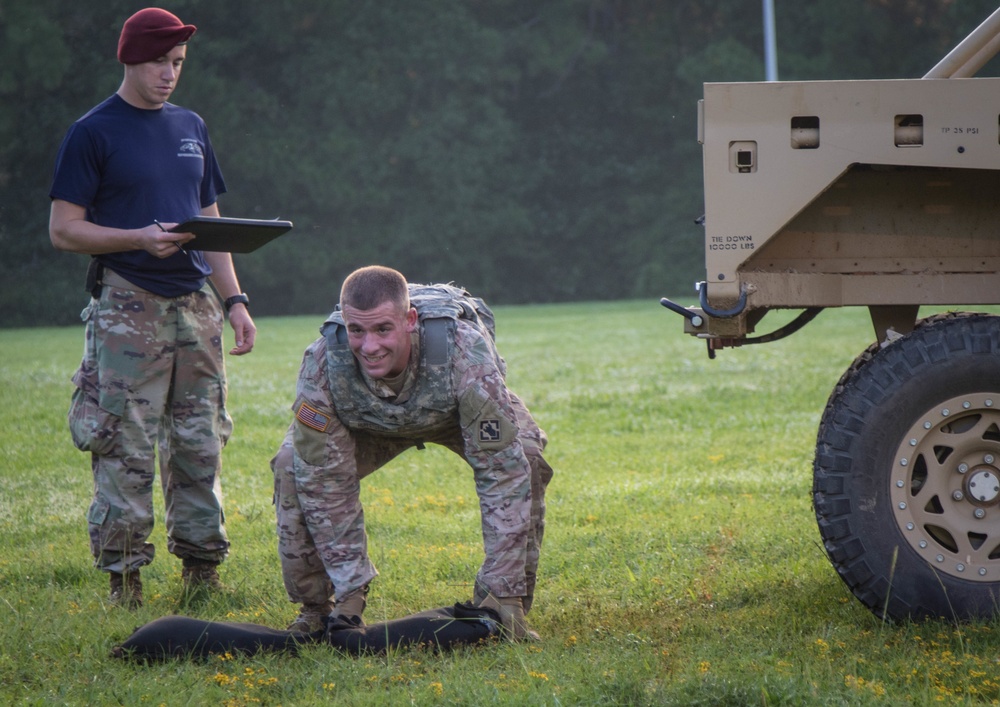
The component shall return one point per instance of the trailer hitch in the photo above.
(734, 311)
(695, 318)
(713, 344)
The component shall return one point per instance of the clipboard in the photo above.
(231, 235)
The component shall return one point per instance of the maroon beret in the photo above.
(149, 34)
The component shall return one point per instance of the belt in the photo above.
(113, 279)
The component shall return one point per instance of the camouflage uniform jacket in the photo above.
(458, 389)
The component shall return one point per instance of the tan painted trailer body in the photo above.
(879, 193)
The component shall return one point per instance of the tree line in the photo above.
(530, 151)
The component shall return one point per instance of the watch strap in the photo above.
(236, 299)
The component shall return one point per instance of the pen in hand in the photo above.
(179, 246)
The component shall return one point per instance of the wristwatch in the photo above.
(236, 299)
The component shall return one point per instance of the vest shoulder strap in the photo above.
(436, 341)
(334, 330)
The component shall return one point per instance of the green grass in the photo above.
(681, 564)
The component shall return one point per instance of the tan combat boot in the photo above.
(200, 575)
(126, 590)
(311, 618)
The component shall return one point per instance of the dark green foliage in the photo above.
(532, 152)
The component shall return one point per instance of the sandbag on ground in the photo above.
(182, 636)
(461, 624)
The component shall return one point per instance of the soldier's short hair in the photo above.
(368, 287)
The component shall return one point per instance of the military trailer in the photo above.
(881, 194)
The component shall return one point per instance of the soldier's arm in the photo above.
(326, 477)
(502, 472)
(69, 230)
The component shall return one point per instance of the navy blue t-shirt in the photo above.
(128, 167)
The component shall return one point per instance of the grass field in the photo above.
(682, 564)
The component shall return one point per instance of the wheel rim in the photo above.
(945, 487)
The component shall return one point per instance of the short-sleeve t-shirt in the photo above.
(128, 167)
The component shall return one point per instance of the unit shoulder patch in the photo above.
(489, 430)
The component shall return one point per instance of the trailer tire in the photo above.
(906, 478)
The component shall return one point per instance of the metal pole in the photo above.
(971, 53)
(770, 44)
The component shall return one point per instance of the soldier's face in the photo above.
(149, 85)
(380, 337)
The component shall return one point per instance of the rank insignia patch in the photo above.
(489, 430)
(311, 417)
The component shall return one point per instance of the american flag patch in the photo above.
(311, 417)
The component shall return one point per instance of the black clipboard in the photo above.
(231, 235)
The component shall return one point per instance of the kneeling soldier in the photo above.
(399, 366)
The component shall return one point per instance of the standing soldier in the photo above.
(152, 374)
(399, 366)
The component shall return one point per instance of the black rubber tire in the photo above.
(899, 520)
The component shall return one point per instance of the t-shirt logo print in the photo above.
(489, 431)
(190, 148)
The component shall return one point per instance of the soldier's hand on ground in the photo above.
(511, 611)
(351, 606)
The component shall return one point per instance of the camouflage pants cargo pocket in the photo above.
(93, 426)
(98, 511)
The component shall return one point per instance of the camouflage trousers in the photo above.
(316, 564)
(152, 381)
